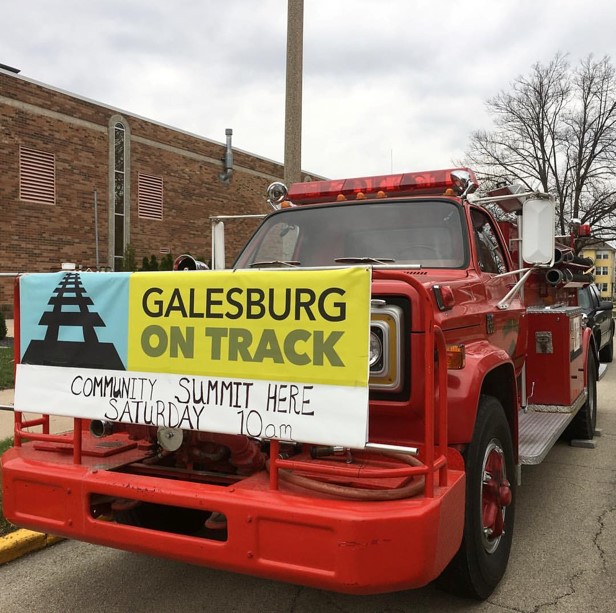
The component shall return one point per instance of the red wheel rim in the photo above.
(495, 496)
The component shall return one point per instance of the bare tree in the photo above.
(555, 131)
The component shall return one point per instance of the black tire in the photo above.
(585, 422)
(606, 355)
(482, 558)
(165, 518)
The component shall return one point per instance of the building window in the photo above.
(119, 174)
(37, 176)
(602, 270)
(150, 197)
(603, 255)
(602, 287)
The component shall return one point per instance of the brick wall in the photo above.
(39, 237)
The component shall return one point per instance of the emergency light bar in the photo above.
(429, 183)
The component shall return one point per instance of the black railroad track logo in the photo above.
(71, 308)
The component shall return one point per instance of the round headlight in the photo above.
(376, 348)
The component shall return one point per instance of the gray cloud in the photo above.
(387, 85)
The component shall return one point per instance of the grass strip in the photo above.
(7, 375)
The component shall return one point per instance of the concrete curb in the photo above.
(22, 542)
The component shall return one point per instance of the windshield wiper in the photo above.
(276, 264)
(363, 260)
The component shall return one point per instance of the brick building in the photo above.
(80, 181)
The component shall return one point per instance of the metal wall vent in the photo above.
(37, 176)
(150, 197)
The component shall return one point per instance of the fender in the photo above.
(488, 369)
(589, 344)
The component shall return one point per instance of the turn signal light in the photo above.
(456, 357)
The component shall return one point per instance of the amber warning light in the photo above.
(429, 183)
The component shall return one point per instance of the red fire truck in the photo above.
(477, 362)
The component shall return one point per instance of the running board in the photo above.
(540, 426)
(538, 432)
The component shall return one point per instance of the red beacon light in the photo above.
(584, 230)
(579, 229)
(450, 182)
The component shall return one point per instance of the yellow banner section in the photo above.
(297, 325)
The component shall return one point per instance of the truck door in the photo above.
(502, 326)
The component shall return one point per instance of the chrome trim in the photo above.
(392, 347)
(385, 335)
(392, 448)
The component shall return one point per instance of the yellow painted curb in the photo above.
(21, 542)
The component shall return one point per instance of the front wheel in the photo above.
(490, 494)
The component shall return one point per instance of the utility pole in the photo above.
(293, 106)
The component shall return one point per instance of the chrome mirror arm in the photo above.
(506, 301)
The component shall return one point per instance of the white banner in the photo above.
(311, 413)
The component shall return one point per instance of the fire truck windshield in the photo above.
(424, 232)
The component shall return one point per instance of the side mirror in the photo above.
(606, 305)
(538, 232)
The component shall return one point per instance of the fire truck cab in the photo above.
(478, 363)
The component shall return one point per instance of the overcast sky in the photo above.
(388, 84)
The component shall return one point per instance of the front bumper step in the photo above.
(289, 535)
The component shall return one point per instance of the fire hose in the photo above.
(411, 486)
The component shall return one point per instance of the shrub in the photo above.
(166, 262)
(150, 263)
(3, 328)
(130, 260)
